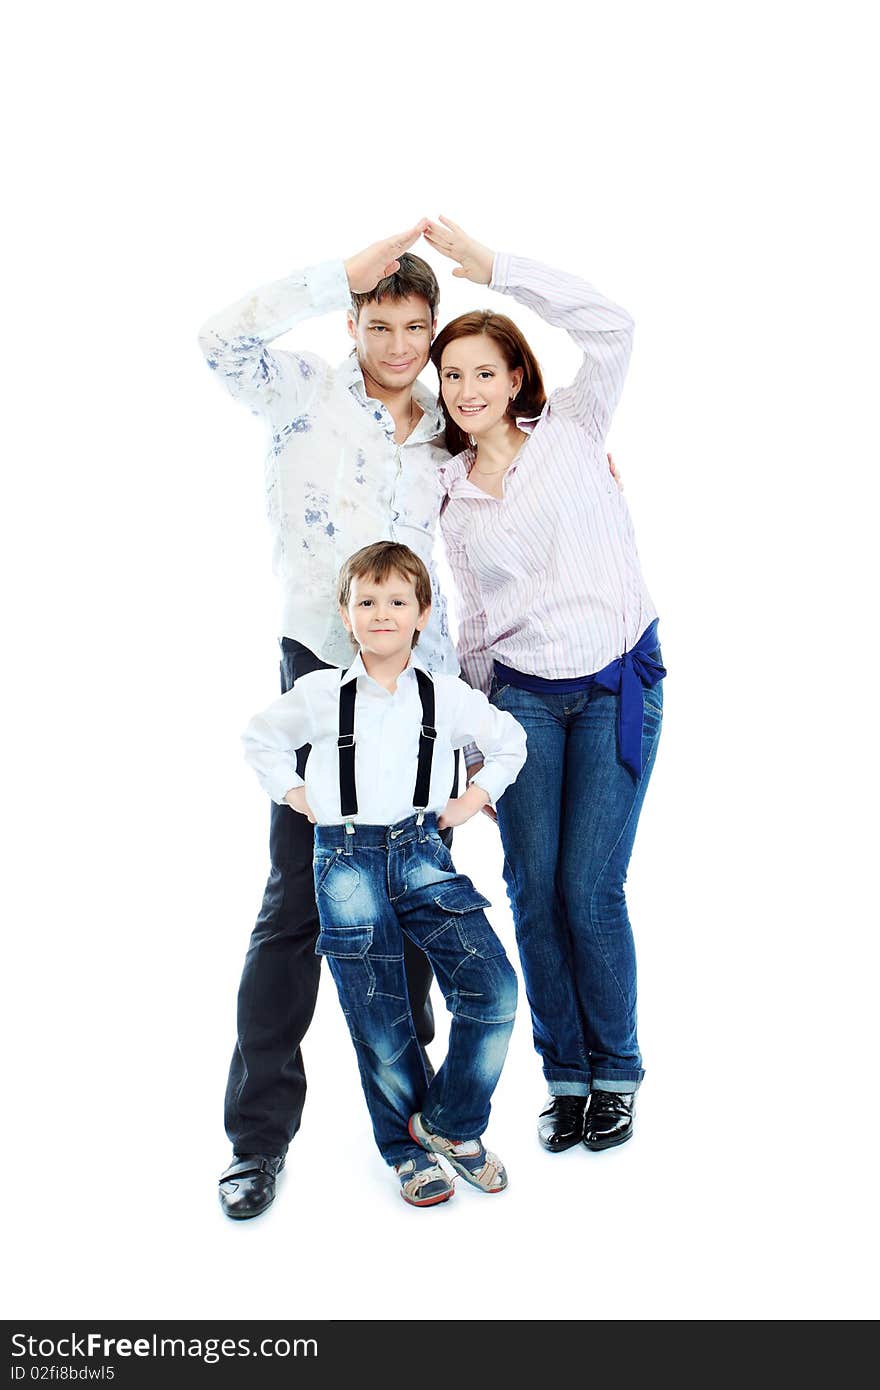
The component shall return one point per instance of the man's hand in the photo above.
(461, 808)
(367, 268)
(474, 260)
(296, 800)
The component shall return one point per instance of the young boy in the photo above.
(383, 735)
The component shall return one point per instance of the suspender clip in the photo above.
(420, 817)
(345, 741)
(349, 828)
(429, 731)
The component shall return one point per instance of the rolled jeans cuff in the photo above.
(568, 1088)
(624, 1086)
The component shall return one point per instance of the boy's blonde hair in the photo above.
(378, 561)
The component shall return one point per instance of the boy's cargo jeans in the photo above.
(372, 887)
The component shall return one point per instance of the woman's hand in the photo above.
(614, 473)
(296, 800)
(461, 808)
(368, 267)
(474, 260)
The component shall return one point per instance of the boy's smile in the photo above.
(383, 616)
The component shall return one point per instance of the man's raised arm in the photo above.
(236, 341)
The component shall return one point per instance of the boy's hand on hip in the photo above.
(488, 809)
(368, 267)
(461, 808)
(296, 800)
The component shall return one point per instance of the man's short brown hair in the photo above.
(377, 562)
(414, 278)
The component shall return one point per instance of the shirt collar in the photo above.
(357, 668)
(430, 425)
(454, 474)
(527, 423)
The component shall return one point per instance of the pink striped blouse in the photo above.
(548, 576)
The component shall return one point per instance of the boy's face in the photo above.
(383, 615)
(393, 340)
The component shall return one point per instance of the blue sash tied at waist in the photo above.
(627, 676)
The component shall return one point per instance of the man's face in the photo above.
(393, 339)
(383, 614)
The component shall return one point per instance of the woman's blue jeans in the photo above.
(567, 825)
(373, 887)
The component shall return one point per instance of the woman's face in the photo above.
(476, 383)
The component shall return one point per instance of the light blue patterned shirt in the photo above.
(335, 478)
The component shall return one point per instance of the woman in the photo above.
(558, 627)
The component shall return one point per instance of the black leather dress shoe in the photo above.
(609, 1119)
(248, 1185)
(561, 1122)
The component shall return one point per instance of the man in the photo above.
(353, 459)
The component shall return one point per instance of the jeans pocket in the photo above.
(652, 723)
(465, 908)
(336, 879)
(344, 943)
(322, 863)
(440, 852)
(653, 712)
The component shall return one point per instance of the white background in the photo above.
(711, 170)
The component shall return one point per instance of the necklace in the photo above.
(412, 412)
(368, 380)
(491, 472)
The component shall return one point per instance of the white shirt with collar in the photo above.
(336, 480)
(386, 731)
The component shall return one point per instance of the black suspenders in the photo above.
(345, 744)
(427, 735)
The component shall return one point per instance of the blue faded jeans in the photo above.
(373, 888)
(568, 824)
